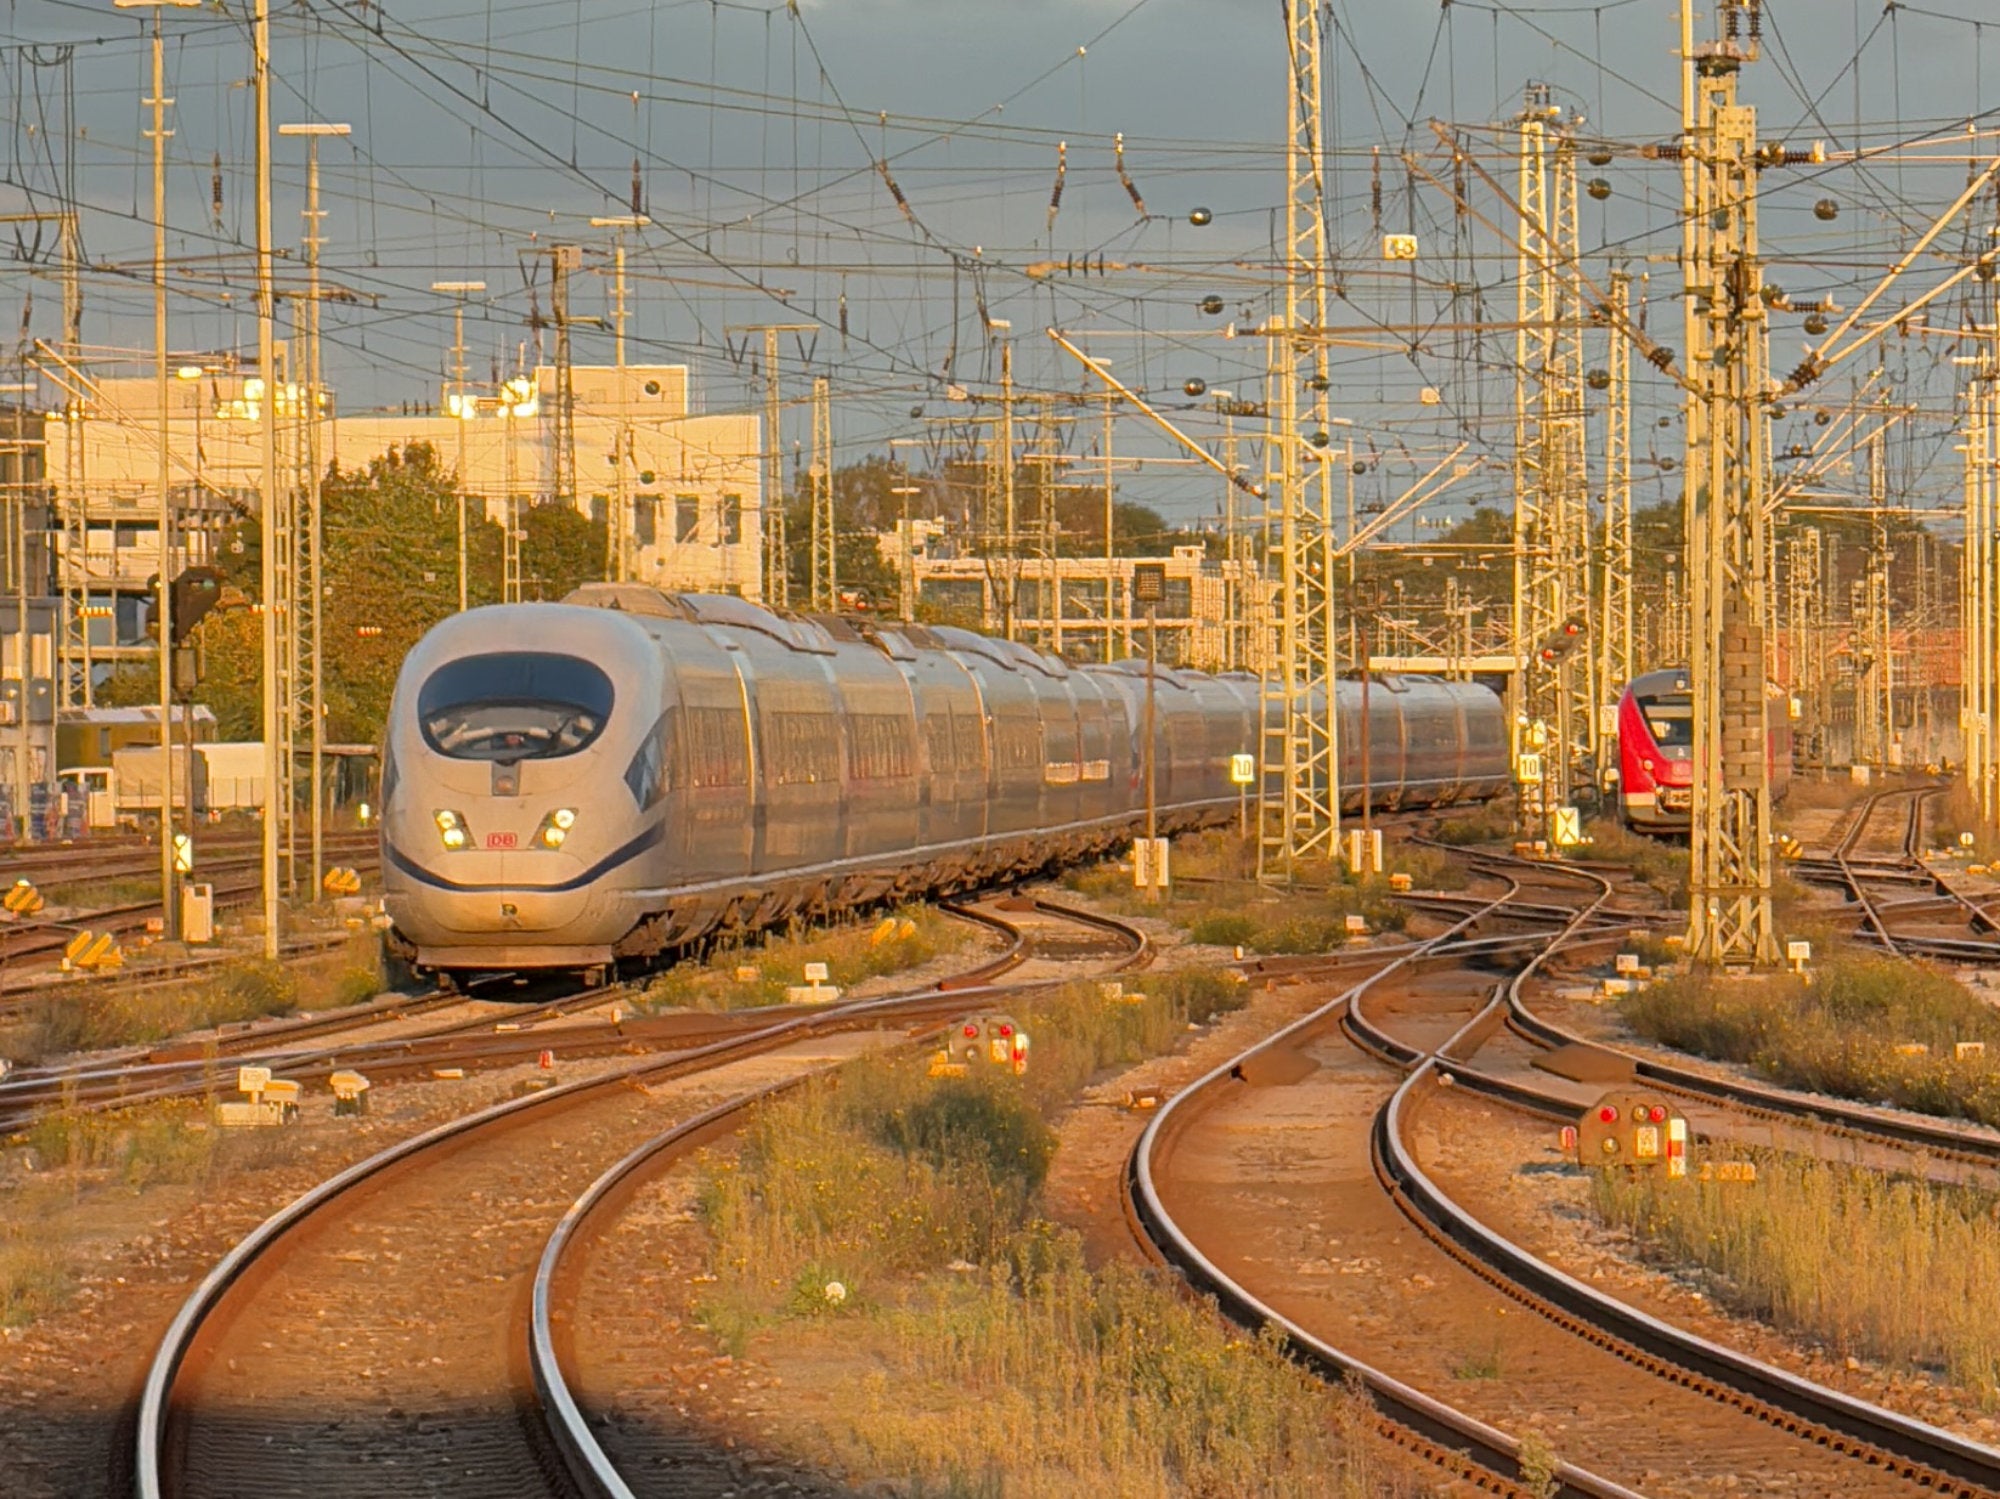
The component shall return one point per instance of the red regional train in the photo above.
(1656, 750)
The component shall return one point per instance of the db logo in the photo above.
(501, 840)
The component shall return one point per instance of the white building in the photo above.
(692, 480)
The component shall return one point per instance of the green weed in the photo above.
(1893, 1269)
(1840, 1034)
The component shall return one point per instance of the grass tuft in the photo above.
(87, 1020)
(1891, 1269)
(920, 1198)
(34, 1280)
(142, 1146)
(1839, 1034)
(851, 950)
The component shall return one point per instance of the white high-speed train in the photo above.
(621, 774)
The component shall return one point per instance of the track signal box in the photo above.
(1631, 1131)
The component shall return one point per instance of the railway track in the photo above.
(235, 883)
(1621, 1354)
(434, 1317)
(1867, 858)
(194, 1068)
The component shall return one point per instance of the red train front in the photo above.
(1656, 750)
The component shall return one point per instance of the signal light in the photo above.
(1006, 1030)
(1659, 1114)
(1607, 1115)
(971, 1029)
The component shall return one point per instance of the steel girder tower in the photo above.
(1298, 795)
(1805, 609)
(1555, 718)
(1977, 713)
(824, 587)
(1730, 919)
(1614, 636)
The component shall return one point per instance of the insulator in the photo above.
(1826, 210)
(1375, 191)
(1195, 386)
(1668, 465)
(1822, 418)
(1131, 191)
(1319, 382)
(1777, 411)
(1666, 421)
(1598, 188)
(1718, 220)
(916, 412)
(1599, 157)
(1212, 305)
(1062, 170)
(1200, 217)
(843, 314)
(1599, 379)
(1359, 467)
(1815, 323)
(1661, 358)
(638, 190)
(1983, 270)
(1320, 438)
(895, 191)
(215, 186)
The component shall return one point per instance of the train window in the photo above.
(651, 774)
(514, 705)
(884, 746)
(718, 747)
(388, 775)
(1670, 720)
(937, 743)
(1017, 744)
(802, 749)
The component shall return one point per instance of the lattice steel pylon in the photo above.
(1977, 712)
(1805, 615)
(1615, 653)
(1728, 421)
(1298, 794)
(1555, 718)
(824, 581)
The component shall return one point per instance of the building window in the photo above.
(687, 517)
(645, 526)
(732, 519)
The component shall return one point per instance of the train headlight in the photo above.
(555, 827)
(451, 829)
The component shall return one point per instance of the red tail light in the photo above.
(1607, 1115)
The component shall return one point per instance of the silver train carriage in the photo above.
(628, 771)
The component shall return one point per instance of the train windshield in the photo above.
(514, 705)
(1670, 720)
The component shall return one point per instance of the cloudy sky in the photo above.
(767, 142)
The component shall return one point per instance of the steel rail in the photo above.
(155, 1399)
(589, 1465)
(1432, 1420)
(1921, 1450)
(96, 1086)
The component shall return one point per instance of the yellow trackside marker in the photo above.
(342, 880)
